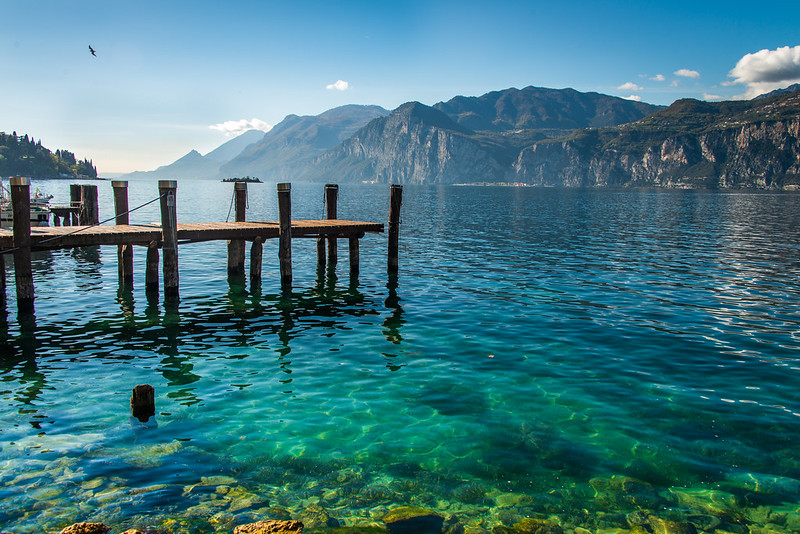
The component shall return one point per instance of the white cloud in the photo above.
(767, 70)
(234, 128)
(340, 85)
(674, 83)
(709, 96)
(658, 78)
(629, 86)
(635, 98)
(687, 73)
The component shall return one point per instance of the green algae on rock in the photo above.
(86, 528)
(270, 527)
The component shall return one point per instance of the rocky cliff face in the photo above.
(752, 155)
(691, 144)
(415, 144)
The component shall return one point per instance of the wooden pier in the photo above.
(167, 235)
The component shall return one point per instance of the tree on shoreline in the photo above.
(22, 156)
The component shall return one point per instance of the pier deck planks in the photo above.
(126, 234)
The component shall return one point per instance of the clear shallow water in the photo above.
(569, 354)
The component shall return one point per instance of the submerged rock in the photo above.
(637, 518)
(315, 516)
(529, 525)
(704, 522)
(707, 501)
(413, 520)
(662, 526)
(86, 528)
(620, 490)
(270, 527)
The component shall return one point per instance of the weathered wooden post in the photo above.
(285, 236)
(74, 202)
(236, 246)
(354, 260)
(331, 199)
(124, 252)
(256, 259)
(151, 269)
(169, 232)
(90, 213)
(395, 201)
(21, 213)
(143, 402)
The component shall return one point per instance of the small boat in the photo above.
(40, 208)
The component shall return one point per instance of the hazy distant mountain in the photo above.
(285, 151)
(194, 165)
(235, 146)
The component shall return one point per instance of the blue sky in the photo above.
(172, 76)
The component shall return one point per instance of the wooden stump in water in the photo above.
(236, 246)
(124, 252)
(167, 189)
(395, 201)
(285, 235)
(143, 402)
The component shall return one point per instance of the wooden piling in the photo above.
(395, 202)
(354, 261)
(151, 269)
(331, 200)
(143, 402)
(321, 252)
(74, 202)
(285, 236)
(169, 228)
(21, 213)
(124, 252)
(236, 246)
(256, 259)
(90, 214)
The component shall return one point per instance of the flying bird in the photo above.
(92, 51)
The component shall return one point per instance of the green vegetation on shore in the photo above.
(22, 156)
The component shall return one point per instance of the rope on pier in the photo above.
(82, 228)
(233, 198)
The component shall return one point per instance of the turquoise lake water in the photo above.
(572, 355)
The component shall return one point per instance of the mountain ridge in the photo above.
(537, 136)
